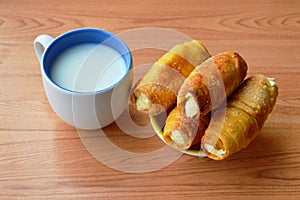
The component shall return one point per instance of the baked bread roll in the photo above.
(210, 83)
(246, 112)
(156, 92)
(175, 126)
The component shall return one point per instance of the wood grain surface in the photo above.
(41, 157)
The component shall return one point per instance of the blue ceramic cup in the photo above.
(81, 51)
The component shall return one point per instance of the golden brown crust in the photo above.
(157, 90)
(246, 112)
(256, 97)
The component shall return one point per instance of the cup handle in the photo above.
(40, 43)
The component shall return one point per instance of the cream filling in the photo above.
(177, 138)
(142, 102)
(272, 81)
(191, 107)
(212, 150)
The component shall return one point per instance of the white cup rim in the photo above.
(109, 35)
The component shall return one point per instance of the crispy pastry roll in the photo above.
(175, 126)
(211, 83)
(156, 92)
(246, 112)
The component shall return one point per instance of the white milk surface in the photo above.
(87, 68)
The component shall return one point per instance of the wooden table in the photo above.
(42, 157)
